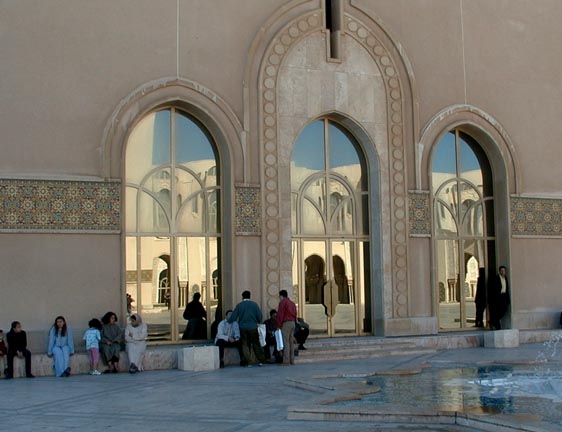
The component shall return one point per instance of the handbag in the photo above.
(261, 334)
(279, 340)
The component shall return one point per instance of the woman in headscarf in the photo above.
(196, 317)
(61, 346)
(135, 336)
(111, 338)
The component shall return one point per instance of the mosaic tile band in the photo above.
(532, 217)
(536, 217)
(88, 206)
(248, 210)
(59, 205)
(418, 209)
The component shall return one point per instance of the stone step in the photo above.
(306, 357)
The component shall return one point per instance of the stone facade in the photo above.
(405, 73)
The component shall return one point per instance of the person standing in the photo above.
(248, 315)
(17, 346)
(228, 335)
(286, 317)
(61, 346)
(92, 336)
(196, 318)
(499, 298)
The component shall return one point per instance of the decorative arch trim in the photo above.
(477, 122)
(197, 99)
(399, 112)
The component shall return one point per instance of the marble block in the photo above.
(198, 358)
(501, 339)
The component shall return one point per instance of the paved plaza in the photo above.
(235, 398)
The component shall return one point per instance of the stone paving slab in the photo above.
(230, 399)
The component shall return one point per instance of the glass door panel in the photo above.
(192, 276)
(155, 287)
(447, 279)
(474, 261)
(315, 277)
(132, 274)
(343, 264)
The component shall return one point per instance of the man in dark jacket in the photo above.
(248, 315)
(17, 346)
(499, 300)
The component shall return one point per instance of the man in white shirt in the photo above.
(228, 335)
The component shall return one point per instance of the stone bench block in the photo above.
(198, 358)
(501, 339)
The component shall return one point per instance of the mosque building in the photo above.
(378, 159)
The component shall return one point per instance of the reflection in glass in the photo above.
(314, 280)
(444, 166)
(342, 264)
(448, 283)
(312, 220)
(473, 224)
(155, 295)
(172, 195)
(153, 212)
(329, 197)
(461, 178)
(148, 146)
(447, 193)
(132, 277)
(445, 222)
(469, 165)
(130, 209)
(344, 157)
(193, 147)
(308, 154)
(192, 275)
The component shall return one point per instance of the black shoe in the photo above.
(29, 376)
(66, 372)
(302, 347)
(8, 377)
(221, 365)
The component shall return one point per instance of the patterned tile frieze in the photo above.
(146, 276)
(248, 210)
(59, 205)
(541, 217)
(419, 215)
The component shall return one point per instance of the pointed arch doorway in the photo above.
(330, 230)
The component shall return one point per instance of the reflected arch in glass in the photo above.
(329, 205)
(172, 193)
(463, 226)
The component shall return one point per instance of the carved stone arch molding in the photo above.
(397, 89)
(483, 127)
(191, 96)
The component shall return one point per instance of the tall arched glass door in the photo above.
(464, 238)
(172, 220)
(330, 202)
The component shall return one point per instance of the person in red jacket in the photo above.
(286, 317)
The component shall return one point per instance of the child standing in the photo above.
(92, 336)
